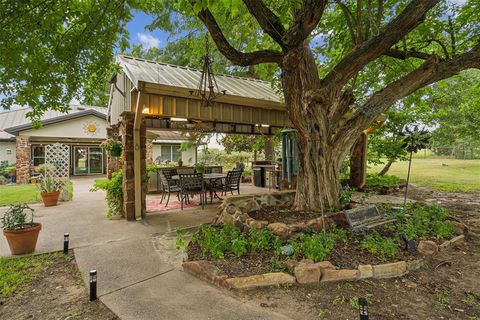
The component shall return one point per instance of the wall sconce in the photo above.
(145, 109)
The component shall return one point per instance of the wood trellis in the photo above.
(57, 166)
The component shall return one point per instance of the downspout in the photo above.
(137, 156)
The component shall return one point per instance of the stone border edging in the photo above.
(306, 272)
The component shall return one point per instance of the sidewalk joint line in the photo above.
(132, 284)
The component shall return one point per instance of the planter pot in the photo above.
(50, 198)
(116, 152)
(23, 241)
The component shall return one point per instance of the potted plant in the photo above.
(199, 167)
(180, 162)
(114, 147)
(49, 190)
(21, 235)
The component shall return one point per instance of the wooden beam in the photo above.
(137, 158)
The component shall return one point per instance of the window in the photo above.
(38, 155)
(169, 152)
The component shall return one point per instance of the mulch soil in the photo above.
(285, 215)
(58, 292)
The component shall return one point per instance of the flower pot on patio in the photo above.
(23, 241)
(21, 235)
(50, 199)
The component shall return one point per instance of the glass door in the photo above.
(95, 160)
(87, 160)
(80, 160)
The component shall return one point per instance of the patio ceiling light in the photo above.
(207, 89)
(179, 119)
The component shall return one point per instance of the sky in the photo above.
(140, 35)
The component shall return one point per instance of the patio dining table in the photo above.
(208, 177)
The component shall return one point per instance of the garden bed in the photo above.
(283, 241)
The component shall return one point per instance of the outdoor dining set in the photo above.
(188, 184)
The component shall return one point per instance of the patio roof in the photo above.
(185, 79)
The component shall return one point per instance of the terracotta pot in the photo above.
(50, 198)
(23, 241)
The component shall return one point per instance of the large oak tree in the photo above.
(341, 63)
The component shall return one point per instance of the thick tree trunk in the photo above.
(386, 168)
(318, 179)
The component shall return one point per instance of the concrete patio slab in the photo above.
(177, 295)
(121, 263)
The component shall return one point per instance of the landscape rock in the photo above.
(257, 224)
(231, 208)
(427, 247)
(390, 270)
(451, 241)
(307, 273)
(280, 229)
(325, 265)
(365, 271)
(338, 275)
(206, 271)
(260, 280)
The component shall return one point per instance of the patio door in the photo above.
(87, 160)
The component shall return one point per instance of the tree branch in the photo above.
(268, 21)
(403, 55)
(306, 19)
(352, 63)
(430, 72)
(348, 19)
(235, 56)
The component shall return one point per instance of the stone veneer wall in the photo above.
(149, 154)
(127, 127)
(113, 163)
(234, 209)
(24, 159)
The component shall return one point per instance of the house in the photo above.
(83, 129)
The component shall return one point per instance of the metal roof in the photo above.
(183, 77)
(16, 120)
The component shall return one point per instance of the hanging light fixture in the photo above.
(207, 89)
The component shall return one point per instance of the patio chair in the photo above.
(168, 187)
(169, 173)
(232, 182)
(190, 185)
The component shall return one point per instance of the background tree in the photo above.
(340, 63)
(243, 143)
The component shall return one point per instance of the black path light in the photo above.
(93, 285)
(66, 239)
(413, 141)
(363, 308)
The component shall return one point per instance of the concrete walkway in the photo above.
(138, 278)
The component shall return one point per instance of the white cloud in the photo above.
(148, 41)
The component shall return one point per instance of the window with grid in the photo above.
(169, 153)
(38, 155)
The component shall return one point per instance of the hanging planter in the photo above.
(114, 147)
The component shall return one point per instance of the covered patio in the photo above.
(157, 97)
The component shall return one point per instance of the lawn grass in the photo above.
(23, 193)
(17, 272)
(449, 175)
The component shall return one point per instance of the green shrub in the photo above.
(421, 222)
(212, 241)
(380, 246)
(317, 246)
(181, 240)
(346, 194)
(114, 193)
(374, 180)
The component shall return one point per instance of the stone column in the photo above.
(113, 163)
(127, 127)
(149, 151)
(358, 163)
(24, 159)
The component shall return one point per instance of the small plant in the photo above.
(16, 218)
(181, 240)
(421, 222)
(48, 184)
(261, 239)
(346, 194)
(441, 301)
(199, 167)
(277, 265)
(472, 299)
(239, 246)
(338, 300)
(381, 246)
(354, 303)
(374, 180)
(114, 193)
(113, 146)
(317, 246)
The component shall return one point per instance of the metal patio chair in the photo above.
(168, 187)
(190, 185)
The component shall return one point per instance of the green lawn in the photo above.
(23, 193)
(451, 175)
